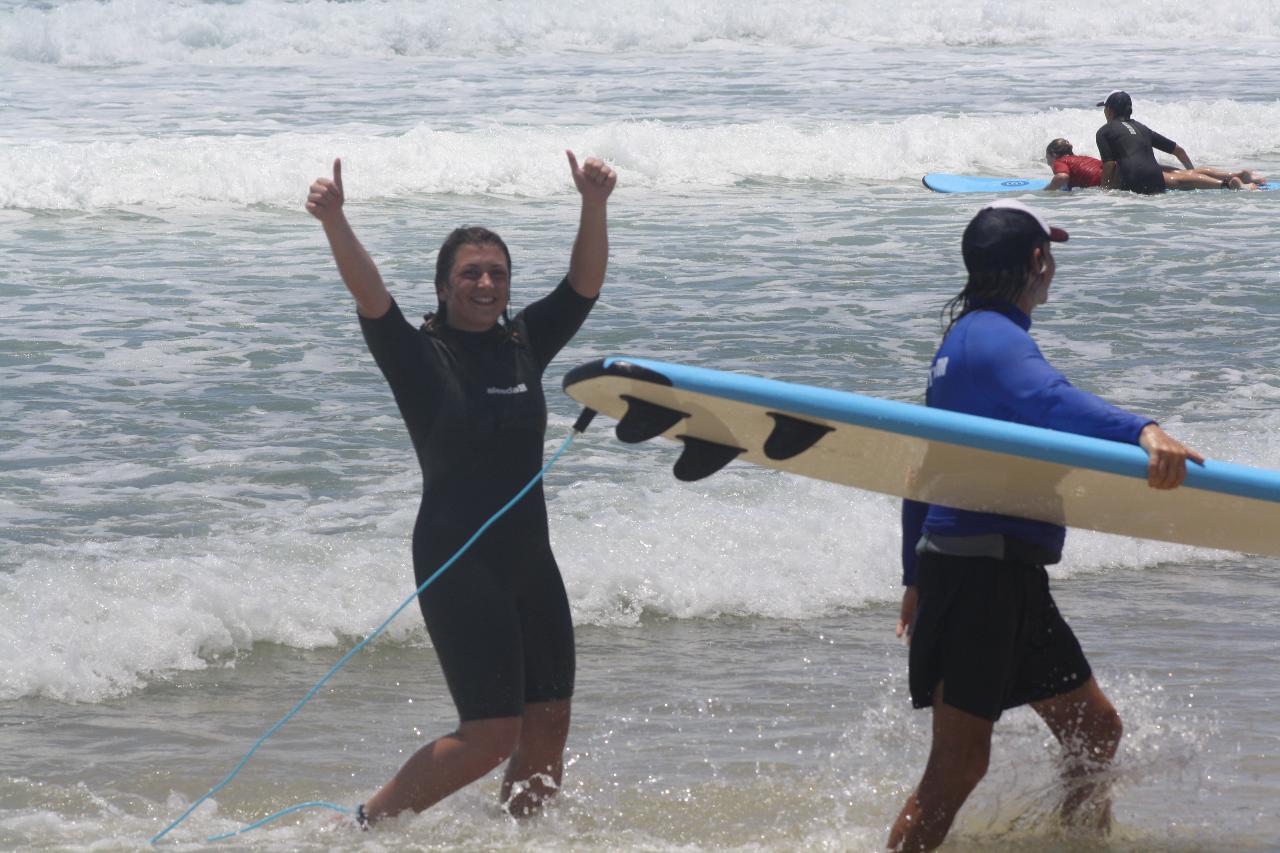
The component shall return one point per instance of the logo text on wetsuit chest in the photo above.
(515, 389)
(938, 370)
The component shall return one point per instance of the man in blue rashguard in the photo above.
(985, 633)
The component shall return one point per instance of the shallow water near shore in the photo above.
(726, 733)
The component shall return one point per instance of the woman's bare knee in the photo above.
(496, 737)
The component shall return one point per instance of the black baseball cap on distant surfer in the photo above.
(1119, 102)
(1002, 235)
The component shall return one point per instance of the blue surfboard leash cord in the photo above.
(579, 427)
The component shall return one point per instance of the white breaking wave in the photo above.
(523, 161)
(103, 619)
(88, 32)
(106, 618)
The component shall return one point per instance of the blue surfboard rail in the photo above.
(943, 182)
(1077, 451)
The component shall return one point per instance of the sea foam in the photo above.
(87, 33)
(522, 161)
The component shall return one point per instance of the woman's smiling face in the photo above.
(479, 287)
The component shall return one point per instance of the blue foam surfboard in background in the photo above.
(931, 455)
(943, 183)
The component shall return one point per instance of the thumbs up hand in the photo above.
(324, 201)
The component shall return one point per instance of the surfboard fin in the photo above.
(644, 420)
(792, 436)
(702, 458)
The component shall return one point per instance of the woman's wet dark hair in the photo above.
(468, 235)
(988, 286)
(997, 246)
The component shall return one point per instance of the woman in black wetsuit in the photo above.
(469, 385)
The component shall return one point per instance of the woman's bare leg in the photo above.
(446, 765)
(537, 765)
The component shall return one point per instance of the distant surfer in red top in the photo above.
(1077, 171)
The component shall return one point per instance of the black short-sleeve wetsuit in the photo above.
(1129, 144)
(499, 617)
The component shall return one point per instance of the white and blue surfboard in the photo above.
(944, 183)
(927, 454)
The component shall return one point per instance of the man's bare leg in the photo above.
(1087, 726)
(958, 760)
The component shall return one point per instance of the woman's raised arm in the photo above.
(359, 272)
(590, 258)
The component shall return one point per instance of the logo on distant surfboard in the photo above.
(1014, 183)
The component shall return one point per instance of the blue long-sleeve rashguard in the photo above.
(988, 365)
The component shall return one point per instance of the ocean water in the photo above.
(206, 493)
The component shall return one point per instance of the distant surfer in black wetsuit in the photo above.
(469, 386)
(1125, 147)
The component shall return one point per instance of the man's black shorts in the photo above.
(990, 631)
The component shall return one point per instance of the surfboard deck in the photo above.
(944, 183)
(927, 454)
